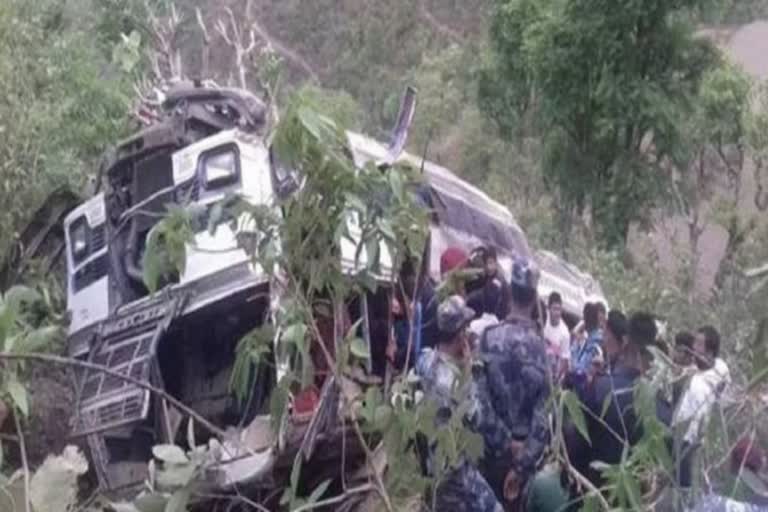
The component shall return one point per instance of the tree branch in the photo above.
(74, 363)
(206, 51)
(757, 271)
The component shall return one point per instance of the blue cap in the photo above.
(525, 274)
(453, 315)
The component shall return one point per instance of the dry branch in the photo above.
(75, 363)
(206, 50)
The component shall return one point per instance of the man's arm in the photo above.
(538, 435)
(565, 354)
(482, 418)
(535, 379)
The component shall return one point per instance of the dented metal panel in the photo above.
(127, 345)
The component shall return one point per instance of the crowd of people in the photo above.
(493, 329)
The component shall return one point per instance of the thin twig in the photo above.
(584, 482)
(24, 462)
(412, 316)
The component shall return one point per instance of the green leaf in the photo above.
(356, 203)
(53, 486)
(591, 504)
(286, 497)
(152, 502)
(295, 473)
(382, 416)
(170, 453)
(290, 492)
(7, 320)
(359, 348)
(758, 379)
(191, 433)
(124, 507)
(372, 400)
(214, 218)
(319, 491)
(11, 342)
(573, 406)
(18, 296)
(40, 339)
(178, 502)
(373, 251)
(278, 402)
(606, 404)
(396, 183)
(173, 476)
(632, 489)
(18, 394)
(353, 329)
(295, 334)
(385, 227)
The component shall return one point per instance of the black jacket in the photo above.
(620, 423)
(492, 296)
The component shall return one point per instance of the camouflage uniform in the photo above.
(462, 488)
(513, 389)
(512, 384)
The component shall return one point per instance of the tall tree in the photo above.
(605, 85)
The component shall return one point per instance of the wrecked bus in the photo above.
(211, 143)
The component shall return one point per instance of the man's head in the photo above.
(706, 346)
(555, 306)
(615, 334)
(683, 348)
(491, 262)
(523, 284)
(602, 314)
(453, 317)
(591, 317)
(641, 334)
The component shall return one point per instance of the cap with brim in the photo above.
(452, 259)
(525, 274)
(453, 315)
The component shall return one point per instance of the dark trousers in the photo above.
(684, 462)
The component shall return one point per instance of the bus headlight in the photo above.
(78, 236)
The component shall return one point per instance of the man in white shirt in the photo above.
(557, 335)
(706, 387)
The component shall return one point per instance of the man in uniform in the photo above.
(460, 488)
(513, 386)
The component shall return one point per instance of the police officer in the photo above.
(513, 387)
(461, 488)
